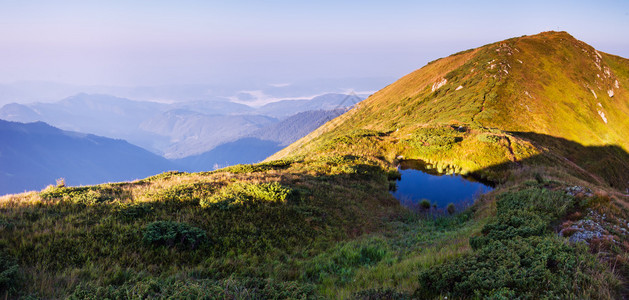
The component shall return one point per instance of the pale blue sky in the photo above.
(175, 42)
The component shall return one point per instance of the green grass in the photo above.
(161, 228)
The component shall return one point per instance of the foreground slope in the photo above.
(320, 222)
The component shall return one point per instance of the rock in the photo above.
(584, 236)
(579, 190)
(439, 84)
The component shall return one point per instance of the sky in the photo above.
(132, 43)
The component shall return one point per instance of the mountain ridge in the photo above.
(493, 87)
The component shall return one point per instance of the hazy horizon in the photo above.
(156, 43)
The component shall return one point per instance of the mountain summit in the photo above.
(526, 91)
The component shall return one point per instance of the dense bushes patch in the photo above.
(5, 224)
(234, 288)
(169, 233)
(191, 192)
(245, 194)
(82, 195)
(516, 253)
(130, 212)
(8, 273)
(362, 137)
(435, 139)
(377, 294)
(488, 138)
(261, 167)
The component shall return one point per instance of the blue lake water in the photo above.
(419, 182)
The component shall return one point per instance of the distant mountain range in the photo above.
(196, 136)
(287, 108)
(42, 91)
(259, 144)
(172, 130)
(34, 155)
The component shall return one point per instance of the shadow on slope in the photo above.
(603, 165)
(242, 151)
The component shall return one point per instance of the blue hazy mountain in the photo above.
(297, 126)
(242, 151)
(173, 130)
(34, 155)
(261, 143)
(192, 133)
(285, 108)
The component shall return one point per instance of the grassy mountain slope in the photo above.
(550, 84)
(317, 221)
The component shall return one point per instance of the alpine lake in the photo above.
(423, 188)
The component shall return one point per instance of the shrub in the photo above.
(130, 212)
(451, 209)
(361, 170)
(9, 270)
(191, 192)
(518, 264)
(162, 176)
(171, 288)
(435, 139)
(488, 138)
(261, 167)
(377, 294)
(516, 252)
(424, 204)
(245, 194)
(5, 224)
(169, 233)
(61, 182)
(81, 195)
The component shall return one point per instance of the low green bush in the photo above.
(9, 271)
(516, 252)
(162, 176)
(191, 192)
(171, 288)
(5, 224)
(130, 212)
(82, 195)
(451, 209)
(246, 194)
(170, 234)
(431, 140)
(261, 167)
(488, 138)
(377, 294)
(424, 204)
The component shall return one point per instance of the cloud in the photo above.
(280, 85)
